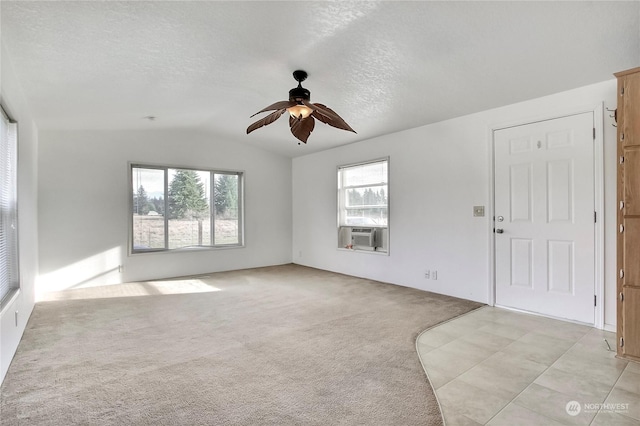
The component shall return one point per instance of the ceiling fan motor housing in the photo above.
(298, 93)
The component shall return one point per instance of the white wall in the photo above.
(13, 101)
(437, 174)
(84, 205)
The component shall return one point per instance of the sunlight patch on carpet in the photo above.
(138, 289)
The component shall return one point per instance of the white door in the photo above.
(544, 217)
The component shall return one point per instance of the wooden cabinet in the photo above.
(628, 115)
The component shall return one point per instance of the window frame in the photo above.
(213, 172)
(341, 202)
(344, 230)
(13, 151)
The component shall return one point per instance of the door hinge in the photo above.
(622, 342)
(595, 217)
(594, 133)
(621, 159)
(621, 297)
(595, 300)
(622, 90)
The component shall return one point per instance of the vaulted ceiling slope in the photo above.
(383, 66)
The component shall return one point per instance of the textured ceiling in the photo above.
(383, 66)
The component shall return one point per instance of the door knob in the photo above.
(499, 231)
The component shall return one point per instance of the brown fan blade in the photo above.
(322, 110)
(330, 117)
(266, 120)
(277, 105)
(301, 128)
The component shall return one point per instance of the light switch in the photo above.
(478, 211)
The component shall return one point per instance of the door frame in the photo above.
(598, 168)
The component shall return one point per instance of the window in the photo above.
(363, 194)
(175, 208)
(9, 276)
(363, 206)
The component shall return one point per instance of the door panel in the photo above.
(544, 190)
(561, 266)
(560, 191)
(631, 108)
(631, 266)
(521, 193)
(521, 263)
(632, 321)
(632, 182)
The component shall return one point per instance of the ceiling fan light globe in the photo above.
(298, 111)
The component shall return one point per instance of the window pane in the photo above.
(189, 221)
(365, 174)
(366, 206)
(226, 200)
(367, 196)
(176, 208)
(363, 194)
(9, 270)
(148, 208)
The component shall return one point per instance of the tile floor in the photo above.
(498, 367)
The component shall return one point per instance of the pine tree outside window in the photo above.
(178, 208)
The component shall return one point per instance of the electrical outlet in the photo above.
(434, 275)
(427, 274)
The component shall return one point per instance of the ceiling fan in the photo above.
(301, 112)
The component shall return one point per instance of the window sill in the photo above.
(9, 299)
(356, 250)
(186, 250)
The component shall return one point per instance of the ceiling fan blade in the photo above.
(321, 110)
(330, 117)
(276, 106)
(266, 120)
(301, 128)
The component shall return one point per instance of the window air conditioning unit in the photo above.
(363, 237)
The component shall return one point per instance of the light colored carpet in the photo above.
(282, 345)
